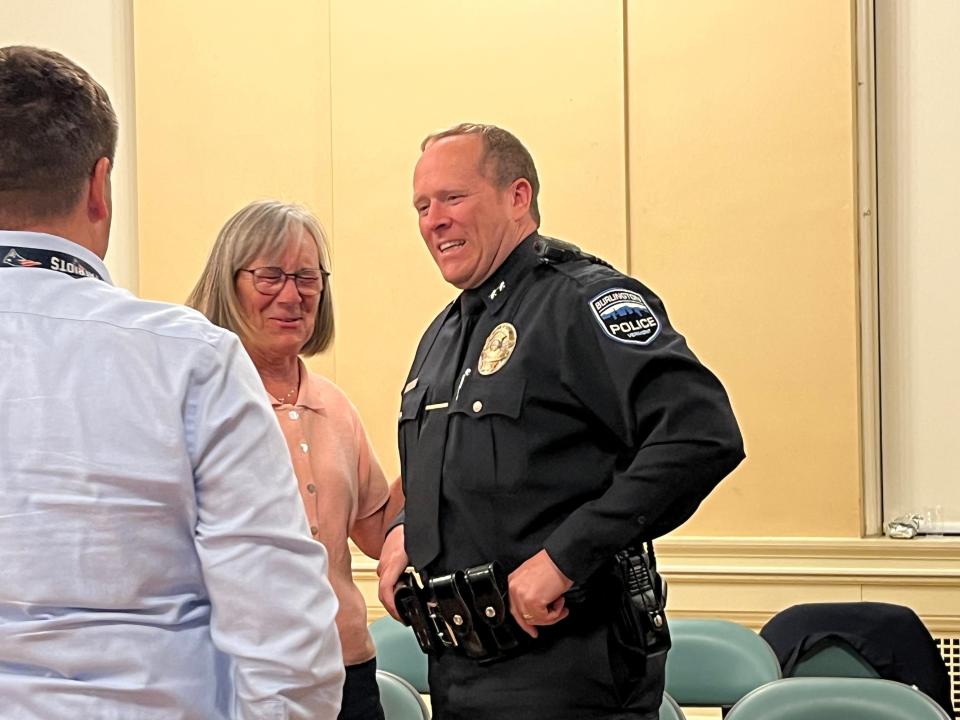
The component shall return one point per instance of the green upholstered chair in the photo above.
(831, 698)
(669, 710)
(399, 653)
(400, 700)
(833, 657)
(891, 639)
(714, 663)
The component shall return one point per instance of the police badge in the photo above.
(497, 348)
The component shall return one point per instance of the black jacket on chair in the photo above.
(890, 637)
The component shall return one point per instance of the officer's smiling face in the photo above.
(468, 224)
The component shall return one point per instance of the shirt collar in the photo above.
(43, 241)
(497, 288)
(310, 395)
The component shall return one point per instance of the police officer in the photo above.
(551, 417)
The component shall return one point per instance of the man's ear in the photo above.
(521, 195)
(98, 194)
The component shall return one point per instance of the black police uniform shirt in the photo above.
(577, 420)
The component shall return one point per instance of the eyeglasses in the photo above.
(270, 280)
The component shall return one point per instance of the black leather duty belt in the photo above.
(465, 611)
(468, 611)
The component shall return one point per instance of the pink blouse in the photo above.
(341, 482)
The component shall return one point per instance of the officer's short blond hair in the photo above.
(503, 160)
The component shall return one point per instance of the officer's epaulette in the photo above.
(553, 251)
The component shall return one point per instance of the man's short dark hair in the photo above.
(56, 122)
(504, 158)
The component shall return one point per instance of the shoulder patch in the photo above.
(625, 316)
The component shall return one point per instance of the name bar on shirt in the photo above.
(46, 259)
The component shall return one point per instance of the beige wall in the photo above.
(233, 105)
(742, 210)
(705, 147)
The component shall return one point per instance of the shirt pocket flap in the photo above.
(503, 398)
(411, 404)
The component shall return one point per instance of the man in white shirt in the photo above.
(154, 557)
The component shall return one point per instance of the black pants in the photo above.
(572, 672)
(361, 697)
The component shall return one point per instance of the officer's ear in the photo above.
(521, 195)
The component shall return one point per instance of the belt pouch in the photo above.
(411, 604)
(641, 620)
(454, 621)
(488, 592)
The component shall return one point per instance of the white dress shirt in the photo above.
(155, 561)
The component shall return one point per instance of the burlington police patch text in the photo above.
(625, 316)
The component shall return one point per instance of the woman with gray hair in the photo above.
(268, 280)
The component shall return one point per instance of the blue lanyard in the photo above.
(46, 260)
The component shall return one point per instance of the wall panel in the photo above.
(742, 212)
(717, 137)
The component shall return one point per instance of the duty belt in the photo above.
(468, 611)
(465, 611)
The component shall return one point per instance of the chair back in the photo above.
(833, 657)
(399, 653)
(669, 710)
(824, 698)
(400, 700)
(714, 663)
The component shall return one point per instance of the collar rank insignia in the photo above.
(625, 316)
(498, 289)
(497, 349)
